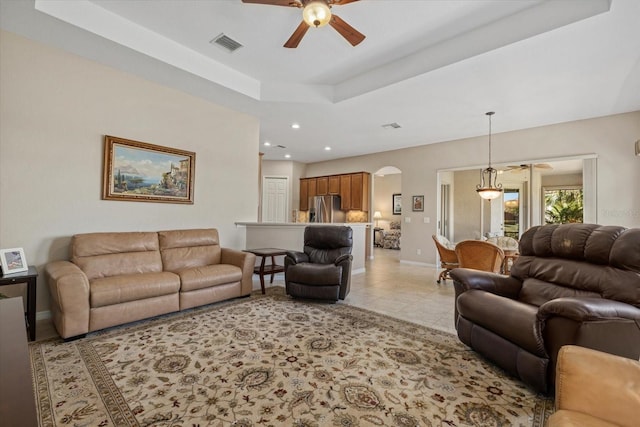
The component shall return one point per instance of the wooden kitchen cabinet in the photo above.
(334, 184)
(345, 192)
(353, 189)
(360, 191)
(304, 194)
(313, 186)
(322, 186)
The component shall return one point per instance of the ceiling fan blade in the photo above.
(352, 35)
(291, 3)
(543, 166)
(297, 35)
(341, 2)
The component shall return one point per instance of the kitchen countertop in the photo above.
(302, 224)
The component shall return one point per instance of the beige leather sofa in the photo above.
(116, 278)
(596, 389)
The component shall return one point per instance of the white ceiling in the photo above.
(434, 67)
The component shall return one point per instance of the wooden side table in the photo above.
(29, 277)
(263, 269)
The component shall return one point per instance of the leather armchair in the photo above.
(595, 389)
(323, 269)
(572, 284)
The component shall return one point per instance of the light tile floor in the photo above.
(401, 290)
(404, 291)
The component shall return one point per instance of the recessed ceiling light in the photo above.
(327, 148)
(295, 126)
(287, 156)
(267, 143)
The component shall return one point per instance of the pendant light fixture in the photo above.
(488, 188)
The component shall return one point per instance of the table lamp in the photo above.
(377, 215)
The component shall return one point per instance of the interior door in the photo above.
(275, 199)
(496, 227)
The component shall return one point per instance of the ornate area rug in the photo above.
(273, 361)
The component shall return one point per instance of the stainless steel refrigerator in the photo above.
(326, 209)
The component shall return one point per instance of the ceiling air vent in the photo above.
(393, 125)
(226, 42)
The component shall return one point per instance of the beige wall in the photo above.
(292, 170)
(610, 138)
(54, 110)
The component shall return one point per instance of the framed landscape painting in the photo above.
(137, 171)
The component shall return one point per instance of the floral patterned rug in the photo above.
(273, 361)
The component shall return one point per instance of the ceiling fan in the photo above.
(316, 13)
(524, 167)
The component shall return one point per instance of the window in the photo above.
(512, 213)
(563, 205)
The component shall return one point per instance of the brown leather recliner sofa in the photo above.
(116, 278)
(572, 284)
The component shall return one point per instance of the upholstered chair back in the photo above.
(182, 249)
(324, 244)
(113, 254)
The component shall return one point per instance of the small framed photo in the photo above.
(397, 204)
(13, 261)
(418, 203)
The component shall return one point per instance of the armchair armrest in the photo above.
(465, 279)
(295, 257)
(592, 384)
(69, 289)
(586, 309)
(342, 258)
(244, 260)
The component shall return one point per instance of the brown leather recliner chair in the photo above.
(323, 270)
(572, 284)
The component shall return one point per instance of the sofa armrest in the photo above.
(596, 384)
(295, 257)
(70, 292)
(245, 261)
(588, 309)
(465, 279)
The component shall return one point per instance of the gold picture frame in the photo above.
(136, 171)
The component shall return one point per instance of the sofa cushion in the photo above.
(210, 275)
(132, 287)
(516, 321)
(537, 292)
(111, 254)
(184, 249)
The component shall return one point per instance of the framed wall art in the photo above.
(397, 204)
(417, 204)
(13, 261)
(138, 171)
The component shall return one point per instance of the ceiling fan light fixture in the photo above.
(316, 13)
(488, 188)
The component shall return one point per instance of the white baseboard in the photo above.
(425, 264)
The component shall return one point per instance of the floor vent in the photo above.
(226, 42)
